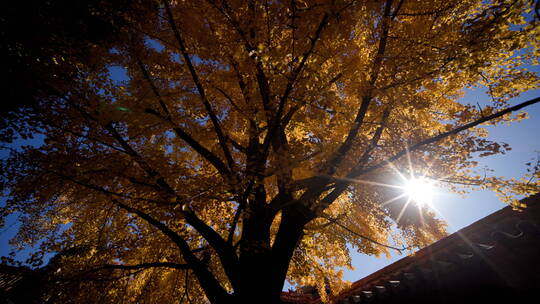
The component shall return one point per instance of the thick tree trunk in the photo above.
(259, 281)
(264, 269)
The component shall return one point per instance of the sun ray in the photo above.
(477, 251)
(361, 181)
(398, 172)
(421, 215)
(403, 209)
(394, 199)
(411, 174)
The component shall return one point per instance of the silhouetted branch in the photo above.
(202, 94)
(144, 266)
(355, 173)
(332, 220)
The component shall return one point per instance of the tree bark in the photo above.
(263, 268)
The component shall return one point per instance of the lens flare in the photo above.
(419, 190)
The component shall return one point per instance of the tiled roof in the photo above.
(298, 298)
(10, 277)
(496, 257)
(18, 285)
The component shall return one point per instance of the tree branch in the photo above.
(203, 151)
(262, 80)
(356, 173)
(334, 162)
(160, 180)
(154, 88)
(276, 126)
(358, 170)
(207, 154)
(340, 187)
(276, 122)
(100, 189)
(334, 221)
(234, 223)
(209, 283)
(202, 94)
(145, 265)
(224, 250)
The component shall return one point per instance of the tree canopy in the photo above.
(220, 148)
(48, 42)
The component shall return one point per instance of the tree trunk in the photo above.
(260, 281)
(264, 269)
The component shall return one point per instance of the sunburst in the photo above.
(420, 190)
(412, 186)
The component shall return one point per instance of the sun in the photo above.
(419, 190)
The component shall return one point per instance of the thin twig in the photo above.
(400, 250)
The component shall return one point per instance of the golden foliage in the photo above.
(253, 106)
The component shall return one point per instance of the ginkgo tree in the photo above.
(253, 142)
